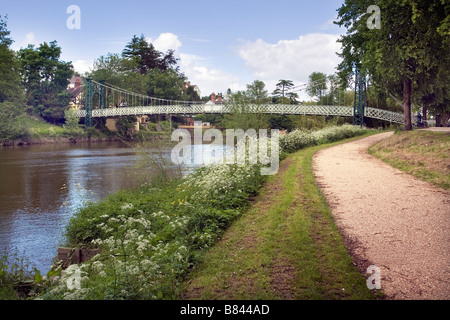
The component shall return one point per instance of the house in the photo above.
(219, 99)
(194, 87)
(76, 89)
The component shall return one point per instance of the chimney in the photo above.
(213, 97)
(77, 83)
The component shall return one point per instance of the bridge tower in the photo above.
(360, 102)
(93, 88)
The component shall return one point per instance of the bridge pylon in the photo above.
(91, 90)
(360, 102)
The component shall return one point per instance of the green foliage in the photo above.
(11, 126)
(45, 78)
(246, 116)
(406, 57)
(144, 57)
(281, 122)
(18, 279)
(126, 127)
(317, 84)
(155, 235)
(11, 92)
(248, 109)
(72, 128)
(300, 139)
(10, 85)
(282, 87)
(5, 40)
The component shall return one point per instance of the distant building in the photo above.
(194, 87)
(75, 88)
(219, 99)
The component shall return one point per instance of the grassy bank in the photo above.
(33, 130)
(286, 246)
(153, 236)
(423, 154)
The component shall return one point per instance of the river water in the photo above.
(41, 186)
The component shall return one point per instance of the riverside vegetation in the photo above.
(151, 237)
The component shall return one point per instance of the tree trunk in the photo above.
(445, 117)
(424, 113)
(407, 103)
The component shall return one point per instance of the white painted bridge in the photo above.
(301, 109)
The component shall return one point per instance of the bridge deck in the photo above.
(322, 110)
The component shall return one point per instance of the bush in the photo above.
(299, 139)
(155, 235)
(18, 279)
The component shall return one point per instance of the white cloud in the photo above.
(197, 68)
(167, 41)
(208, 79)
(30, 38)
(290, 59)
(82, 66)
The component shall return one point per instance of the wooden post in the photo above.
(70, 256)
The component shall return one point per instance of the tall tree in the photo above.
(400, 54)
(282, 87)
(45, 78)
(145, 57)
(317, 85)
(11, 92)
(4, 32)
(256, 91)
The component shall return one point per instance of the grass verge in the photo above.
(286, 246)
(423, 154)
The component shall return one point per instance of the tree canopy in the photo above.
(406, 55)
(45, 78)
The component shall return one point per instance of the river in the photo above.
(42, 186)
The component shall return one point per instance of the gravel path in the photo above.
(388, 219)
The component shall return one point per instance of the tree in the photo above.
(404, 53)
(5, 40)
(293, 96)
(317, 85)
(166, 84)
(282, 86)
(11, 92)
(45, 78)
(246, 113)
(256, 92)
(145, 57)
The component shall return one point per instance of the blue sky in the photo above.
(221, 44)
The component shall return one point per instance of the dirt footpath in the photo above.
(388, 219)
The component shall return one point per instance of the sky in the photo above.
(220, 44)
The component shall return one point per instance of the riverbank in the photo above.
(284, 247)
(37, 131)
(56, 140)
(154, 235)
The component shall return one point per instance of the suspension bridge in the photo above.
(102, 100)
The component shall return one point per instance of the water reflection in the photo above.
(41, 186)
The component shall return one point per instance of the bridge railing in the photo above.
(321, 110)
